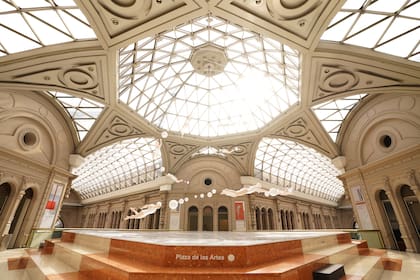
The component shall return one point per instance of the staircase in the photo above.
(82, 256)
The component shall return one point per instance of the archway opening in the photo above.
(391, 221)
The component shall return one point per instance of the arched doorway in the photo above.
(264, 218)
(222, 219)
(21, 211)
(413, 208)
(208, 218)
(270, 219)
(391, 221)
(258, 218)
(5, 190)
(193, 218)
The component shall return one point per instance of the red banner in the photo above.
(239, 210)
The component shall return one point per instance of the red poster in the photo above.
(239, 210)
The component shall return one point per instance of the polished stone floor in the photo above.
(208, 238)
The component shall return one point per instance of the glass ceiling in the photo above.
(121, 165)
(256, 80)
(30, 24)
(392, 27)
(82, 111)
(332, 113)
(290, 164)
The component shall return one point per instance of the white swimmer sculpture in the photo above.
(145, 210)
(175, 179)
(257, 188)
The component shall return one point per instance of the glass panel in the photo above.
(391, 27)
(289, 164)
(332, 113)
(106, 170)
(257, 80)
(37, 23)
(82, 111)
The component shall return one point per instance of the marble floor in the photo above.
(210, 238)
(410, 269)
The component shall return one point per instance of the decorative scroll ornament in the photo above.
(178, 153)
(83, 78)
(338, 78)
(289, 10)
(118, 128)
(299, 129)
(131, 9)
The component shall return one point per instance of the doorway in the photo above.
(392, 221)
(193, 218)
(17, 224)
(208, 218)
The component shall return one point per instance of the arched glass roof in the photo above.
(120, 165)
(293, 165)
(209, 78)
(391, 27)
(82, 111)
(332, 113)
(30, 24)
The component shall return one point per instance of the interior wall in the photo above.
(36, 144)
(382, 150)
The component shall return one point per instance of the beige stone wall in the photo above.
(375, 164)
(35, 146)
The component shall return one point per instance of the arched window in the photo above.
(193, 218)
(264, 219)
(5, 190)
(270, 219)
(208, 218)
(222, 219)
(412, 206)
(283, 221)
(392, 221)
(258, 218)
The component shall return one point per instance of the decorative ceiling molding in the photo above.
(307, 130)
(82, 74)
(297, 21)
(112, 128)
(118, 20)
(240, 155)
(344, 74)
(178, 154)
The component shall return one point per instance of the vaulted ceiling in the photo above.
(256, 82)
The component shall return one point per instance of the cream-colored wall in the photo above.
(35, 146)
(372, 167)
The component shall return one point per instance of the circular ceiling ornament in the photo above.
(209, 60)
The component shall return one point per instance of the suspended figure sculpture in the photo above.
(145, 210)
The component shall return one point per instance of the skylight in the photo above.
(292, 165)
(392, 27)
(209, 78)
(82, 111)
(30, 24)
(121, 165)
(332, 113)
